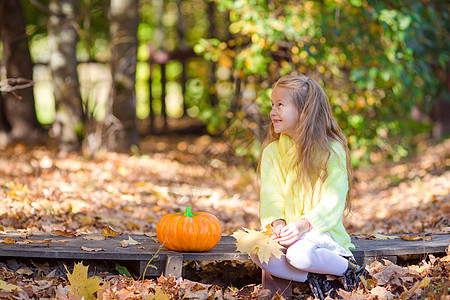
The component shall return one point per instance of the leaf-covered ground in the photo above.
(46, 191)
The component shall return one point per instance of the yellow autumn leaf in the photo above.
(80, 284)
(108, 231)
(268, 230)
(407, 237)
(9, 241)
(159, 295)
(4, 286)
(256, 242)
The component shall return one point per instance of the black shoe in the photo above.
(321, 287)
(351, 277)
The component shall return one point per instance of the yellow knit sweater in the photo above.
(284, 197)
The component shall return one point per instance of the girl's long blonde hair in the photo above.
(315, 129)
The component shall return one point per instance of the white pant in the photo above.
(302, 257)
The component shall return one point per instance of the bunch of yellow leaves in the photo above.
(257, 242)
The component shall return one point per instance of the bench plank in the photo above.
(171, 262)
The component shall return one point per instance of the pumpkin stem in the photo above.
(188, 212)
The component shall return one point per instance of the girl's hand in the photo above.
(277, 225)
(288, 235)
(291, 232)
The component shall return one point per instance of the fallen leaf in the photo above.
(104, 288)
(199, 295)
(130, 241)
(51, 274)
(407, 237)
(25, 233)
(64, 233)
(34, 242)
(91, 249)
(122, 270)
(425, 282)
(446, 258)
(25, 271)
(255, 242)
(390, 273)
(344, 295)
(377, 236)
(80, 284)
(8, 287)
(9, 241)
(382, 293)
(61, 292)
(159, 295)
(94, 237)
(108, 231)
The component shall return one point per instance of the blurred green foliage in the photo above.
(375, 60)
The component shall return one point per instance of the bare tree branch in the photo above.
(12, 84)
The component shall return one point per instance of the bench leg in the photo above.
(174, 265)
(276, 284)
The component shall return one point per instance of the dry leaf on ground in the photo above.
(130, 241)
(91, 249)
(108, 231)
(9, 241)
(64, 233)
(80, 284)
(407, 237)
(389, 198)
(382, 293)
(9, 287)
(94, 237)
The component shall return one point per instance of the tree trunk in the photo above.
(63, 39)
(212, 80)
(440, 115)
(124, 18)
(19, 107)
(151, 116)
(4, 124)
(163, 96)
(182, 46)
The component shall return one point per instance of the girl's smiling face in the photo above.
(284, 113)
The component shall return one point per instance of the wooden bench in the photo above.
(168, 262)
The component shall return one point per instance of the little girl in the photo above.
(305, 184)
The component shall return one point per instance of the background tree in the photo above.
(121, 129)
(18, 107)
(63, 38)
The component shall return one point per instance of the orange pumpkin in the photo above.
(200, 231)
